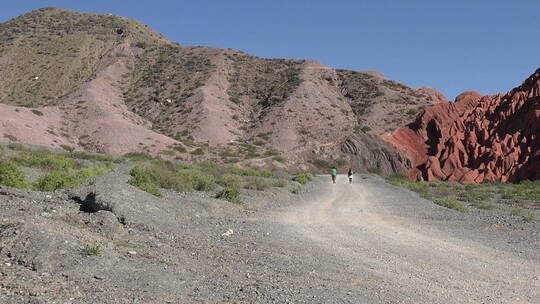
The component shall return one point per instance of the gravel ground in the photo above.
(368, 242)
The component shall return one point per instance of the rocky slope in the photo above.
(477, 138)
(110, 84)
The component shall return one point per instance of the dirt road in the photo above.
(366, 242)
(396, 248)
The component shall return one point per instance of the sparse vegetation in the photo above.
(56, 180)
(198, 151)
(256, 184)
(231, 194)
(302, 178)
(452, 204)
(11, 175)
(92, 250)
(138, 156)
(481, 196)
(37, 112)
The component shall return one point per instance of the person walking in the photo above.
(334, 174)
(350, 174)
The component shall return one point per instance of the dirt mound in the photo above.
(477, 138)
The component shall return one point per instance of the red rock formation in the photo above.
(477, 138)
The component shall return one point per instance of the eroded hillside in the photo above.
(477, 138)
(111, 84)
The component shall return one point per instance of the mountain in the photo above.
(477, 138)
(110, 84)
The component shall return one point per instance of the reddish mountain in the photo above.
(477, 138)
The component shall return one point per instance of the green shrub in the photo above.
(18, 147)
(55, 180)
(143, 179)
(44, 160)
(452, 204)
(94, 171)
(278, 158)
(92, 156)
(197, 180)
(37, 112)
(529, 217)
(230, 180)
(138, 156)
(198, 151)
(280, 183)
(252, 172)
(516, 211)
(67, 148)
(257, 184)
(302, 178)
(11, 175)
(235, 100)
(231, 194)
(94, 250)
(180, 148)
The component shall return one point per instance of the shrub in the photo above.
(235, 100)
(529, 217)
(92, 250)
(55, 180)
(67, 148)
(302, 178)
(278, 158)
(37, 112)
(280, 183)
(180, 148)
(197, 180)
(17, 147)
(142, 178)
(256, 184)
(452, 204)
(411, 112)
(11, 175)
(365, 129)
(198, 151)
(92, 156)
(231, 194)
(94, 171)
(230, 180)
(138, 156)
(374, 171)
(252, 172)
(44, 160)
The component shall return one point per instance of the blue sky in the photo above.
(454, 46)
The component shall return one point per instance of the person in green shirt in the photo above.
(334, 174)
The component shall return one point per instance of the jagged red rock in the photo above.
(477, 138)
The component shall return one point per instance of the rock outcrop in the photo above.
(369, 151)
(477, 138)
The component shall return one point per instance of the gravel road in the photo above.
(366, 242)
(397, 248)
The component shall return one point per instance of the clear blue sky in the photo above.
(485, 45)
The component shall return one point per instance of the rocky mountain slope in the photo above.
(477, 138)
(110, 84)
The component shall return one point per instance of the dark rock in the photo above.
(370, 152)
